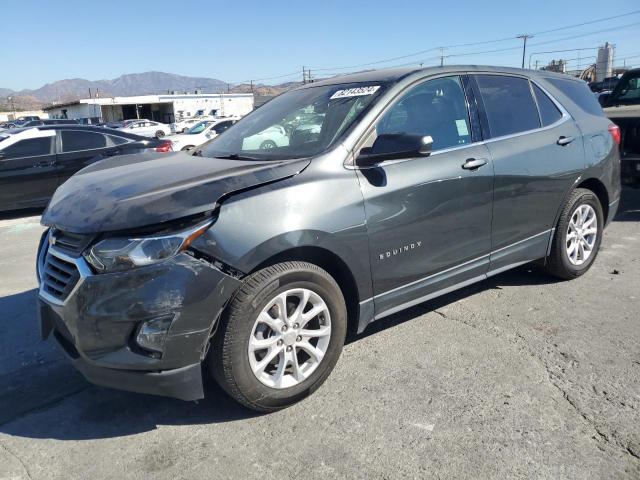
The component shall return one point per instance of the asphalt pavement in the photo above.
(520, 376)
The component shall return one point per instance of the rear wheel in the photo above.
(281, 336)
(267, 144)
(159, 134)
(188, 147)
(577, 236)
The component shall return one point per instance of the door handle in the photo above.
(563, 141)
(474, 163)
(44, 163)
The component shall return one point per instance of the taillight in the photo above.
(165, 146)
(614, 130)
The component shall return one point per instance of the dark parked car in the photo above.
(622, 106)
(48, 121)
(35, 161)
(19, 122)
(256, 262)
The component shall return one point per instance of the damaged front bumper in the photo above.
(95, 319)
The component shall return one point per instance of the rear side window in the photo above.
(579, 93)
(31, 147)
(549, 113)
(508, 104)
(117, 140)
(75, 140)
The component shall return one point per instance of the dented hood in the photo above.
(134, 191)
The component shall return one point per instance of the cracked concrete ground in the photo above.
(517, 377)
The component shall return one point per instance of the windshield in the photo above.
(296, 124)
(198, 128)
(628, 89)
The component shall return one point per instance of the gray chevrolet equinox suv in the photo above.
(333, 205)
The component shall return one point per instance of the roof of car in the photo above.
(394, 75)
(90, 128)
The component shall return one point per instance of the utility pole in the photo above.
(442, 49)
(536, 64)
(251, 86)
(304, 75)
(524, 37)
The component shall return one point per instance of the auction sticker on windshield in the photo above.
(355, 92)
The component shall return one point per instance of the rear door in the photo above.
(537, 154)
(79, 148)
(28, 175)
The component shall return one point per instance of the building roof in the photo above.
(145, 99)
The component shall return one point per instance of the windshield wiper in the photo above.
(236, 156)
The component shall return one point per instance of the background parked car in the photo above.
(35, 161)
(48, 121)
(272, 137)
(201, 133)
(182, 126)
(147, 128)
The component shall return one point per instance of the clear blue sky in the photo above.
(241, 40)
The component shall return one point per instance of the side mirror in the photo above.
(395, 146)
(602, 99)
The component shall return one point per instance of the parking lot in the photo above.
(518, 376)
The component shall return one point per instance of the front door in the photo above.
(28, 175)
(428, 218)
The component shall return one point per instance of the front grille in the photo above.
(71, 243)
(58, 275)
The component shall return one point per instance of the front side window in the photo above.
(75, 140)
(549, 113)
(31, 147)
(437, 108)
(508, 104)
(297, 124)
(197, 128)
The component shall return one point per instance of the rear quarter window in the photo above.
(549, 113)
(578, 93)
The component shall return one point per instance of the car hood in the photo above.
(133, 191)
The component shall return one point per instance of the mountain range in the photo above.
(124, 85)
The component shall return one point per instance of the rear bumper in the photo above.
(97, 324)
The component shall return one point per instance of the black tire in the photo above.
(268, 144)
(159, 134)
(558, 263)
(229, 358)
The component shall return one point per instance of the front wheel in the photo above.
(577, 236)
(280, 337)
(159, 134)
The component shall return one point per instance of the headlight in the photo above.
(122, 253)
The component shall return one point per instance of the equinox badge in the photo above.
(398, 251)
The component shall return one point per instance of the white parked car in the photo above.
(272, 137)
(181, 126)
(201, 133)
(147, 128)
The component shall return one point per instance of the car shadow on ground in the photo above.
(90, 412)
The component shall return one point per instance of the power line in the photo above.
(485, 42)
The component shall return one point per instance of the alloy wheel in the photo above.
(289, 338)
(582, 234)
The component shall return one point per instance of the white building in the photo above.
(161, 108)
(604, 65)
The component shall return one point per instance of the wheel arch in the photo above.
(600, 191)
(334, 265)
